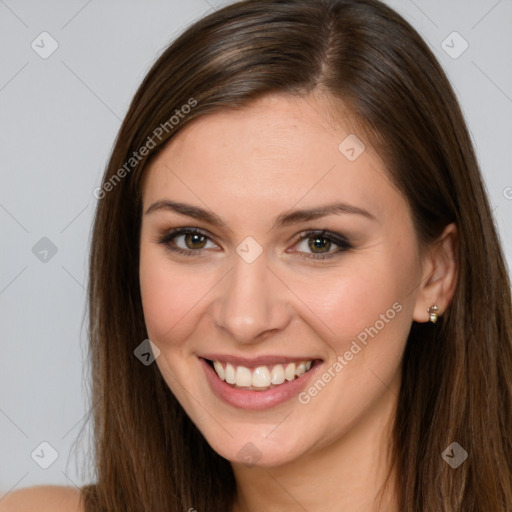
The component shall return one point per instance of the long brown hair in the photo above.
(457, 374)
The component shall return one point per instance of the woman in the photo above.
(294, 216)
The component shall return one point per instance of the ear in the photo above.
(439, 275)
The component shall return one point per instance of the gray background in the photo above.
(59, 117)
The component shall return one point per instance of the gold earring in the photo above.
(433, 310)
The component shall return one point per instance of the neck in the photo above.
(349, 474)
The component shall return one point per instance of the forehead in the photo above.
(277, 152)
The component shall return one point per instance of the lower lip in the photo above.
(256, 400)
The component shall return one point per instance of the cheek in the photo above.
(170, 294)
(349, 301)
(368, 295)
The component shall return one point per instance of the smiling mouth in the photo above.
(260, 378)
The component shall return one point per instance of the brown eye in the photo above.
(195, 240)
(187, 241)
(319, 244)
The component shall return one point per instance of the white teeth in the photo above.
(261, 377)
(230, 374)
(219, 369)
(301, 369)
(277, 374)
(243, 377)
(289, 371)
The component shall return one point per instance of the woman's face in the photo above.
(249, 283)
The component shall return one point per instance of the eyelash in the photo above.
(342, 243)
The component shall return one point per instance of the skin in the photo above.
(248, 167)
(42, 498)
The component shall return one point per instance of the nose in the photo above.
(252, 302)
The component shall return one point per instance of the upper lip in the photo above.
(254, 362)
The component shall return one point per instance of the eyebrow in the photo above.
(285, 219)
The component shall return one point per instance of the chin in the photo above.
(258, 453)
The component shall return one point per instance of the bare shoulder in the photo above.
(42, 498)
